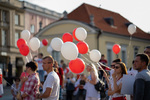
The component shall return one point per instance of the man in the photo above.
(32, 83)
(51, 84)
(141, 89)
(40, 68)
(147, 51)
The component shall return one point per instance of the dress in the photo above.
(52, 81)
(141, 89)
(31, 87)
(91, 91)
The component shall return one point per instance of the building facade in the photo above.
(104, 29)
(15, 16)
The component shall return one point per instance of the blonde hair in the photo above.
(93, 67)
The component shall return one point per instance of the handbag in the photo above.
(100, 87)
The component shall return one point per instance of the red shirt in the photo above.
(60, 74)
(23, 74)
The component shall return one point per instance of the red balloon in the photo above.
(24, 49)
(45, 42)
(67, 37)
(116, 48)
(74, 31)
(77, 65)
(20, 42)
(82, 47)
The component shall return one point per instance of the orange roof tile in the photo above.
(83, 12)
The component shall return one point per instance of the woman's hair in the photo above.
(123, 67)
(94, 69)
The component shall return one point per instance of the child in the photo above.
(15, 88)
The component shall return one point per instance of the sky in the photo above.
(136, 11)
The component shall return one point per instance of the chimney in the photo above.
(40, 24)
(65, 15)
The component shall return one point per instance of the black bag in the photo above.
(100, 87)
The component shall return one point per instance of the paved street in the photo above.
(7, 94)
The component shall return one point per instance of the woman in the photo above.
(91, 92)
(32, 83)
(116, 85)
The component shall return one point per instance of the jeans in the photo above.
(60, 93)
(41, 75)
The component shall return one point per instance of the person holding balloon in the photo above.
(32, 83)
(91, 80)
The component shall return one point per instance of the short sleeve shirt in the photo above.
(52, 81)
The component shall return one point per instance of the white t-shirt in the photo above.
(52, 81)
(132, 72)
(40, 63)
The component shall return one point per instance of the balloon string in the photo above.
(129, 46)
(27, 59)
(30, 55)
(86, 59)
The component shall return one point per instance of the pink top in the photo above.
(23, 74)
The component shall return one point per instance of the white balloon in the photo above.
(34, 43)
(95, 55)
(25, 34)
(131, 29)
(41, 44)
(49, 49)
(69, 51)
(81, 34)
(56, 43)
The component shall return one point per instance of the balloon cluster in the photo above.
(23, 46)
(70, 50)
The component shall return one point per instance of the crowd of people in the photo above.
(46, 79)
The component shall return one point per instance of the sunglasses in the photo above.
(116, 67)
(112, 65)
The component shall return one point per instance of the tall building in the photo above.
(16, 16)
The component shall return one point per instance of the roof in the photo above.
(83, 12)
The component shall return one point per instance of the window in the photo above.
(124, 53)
(4, 16)
(56, 55)
(109, 53)
(32, 29)
(136, 49)
(4, 38)
(16, 19)
(16, 38)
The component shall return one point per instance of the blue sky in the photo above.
(136, 11)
